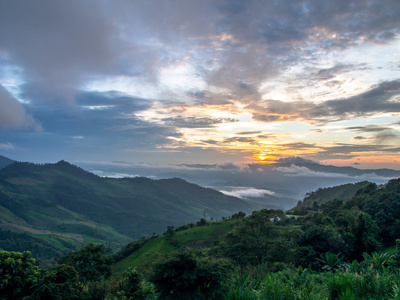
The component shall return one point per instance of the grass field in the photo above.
(196, 237)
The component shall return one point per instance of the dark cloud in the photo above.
(376, 100)
(57, 44)
(232, 47)
(299, 145)
(112, 101)
(367, 128)
(384, 136)
(60, 45)
(248, 132)
(352, 150)
(196, 122)
(13, 115)
(248, 140)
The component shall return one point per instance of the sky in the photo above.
(201, 83)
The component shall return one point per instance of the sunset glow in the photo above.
(201, 81)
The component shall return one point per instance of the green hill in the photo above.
(315, 199)
(67, 207)
(152, 249)
(349, 250)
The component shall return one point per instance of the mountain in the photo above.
(68, 207)
(328, 169)
(314, 199)
(4, 161)
(280, 184)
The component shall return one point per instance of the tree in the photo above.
(185, 276)
(90, 262)
(18, 274)
(59, 282)
(366, 235)
(133, 286)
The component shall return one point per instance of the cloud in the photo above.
(367, 128)
(247, 192)
(376, 100)
(228, 166)
(294, 170)
(162, 76)
(57, 44)
(195, 122)
(6, 146)
(248, 132)
(13, 114)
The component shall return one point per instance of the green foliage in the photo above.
(131, 248)
(153, 249)
(275, 257)
(319, 199)
(257, 239)
(186, 276)
(59, 282)
(40, 248)
(62, 200)
(330, 261)
(366, 235)
(18, 274)
(395, 259)
(307, 285)
(90, 262)
(133, 286)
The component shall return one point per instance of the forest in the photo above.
(336, 249)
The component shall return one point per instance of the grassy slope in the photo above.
(194, 238)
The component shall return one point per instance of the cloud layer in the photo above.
(200, 82)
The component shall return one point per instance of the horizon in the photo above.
(280, 185)
(210, 83)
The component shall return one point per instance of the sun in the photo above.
(265, 158)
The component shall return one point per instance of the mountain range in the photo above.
(58, 207)
(278, 185)
(68, 207)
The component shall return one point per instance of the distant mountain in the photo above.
(63, 203)
(4, 161)
(288, 178)
(316, 167)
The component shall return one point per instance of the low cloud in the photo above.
(301, 171)
(247, 192)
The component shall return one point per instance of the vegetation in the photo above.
(51, 209)
(349, 249)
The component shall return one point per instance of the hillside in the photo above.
(315, 199)
(146, 251)
(67, 207)
(350, 250)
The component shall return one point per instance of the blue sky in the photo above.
(200, 82)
